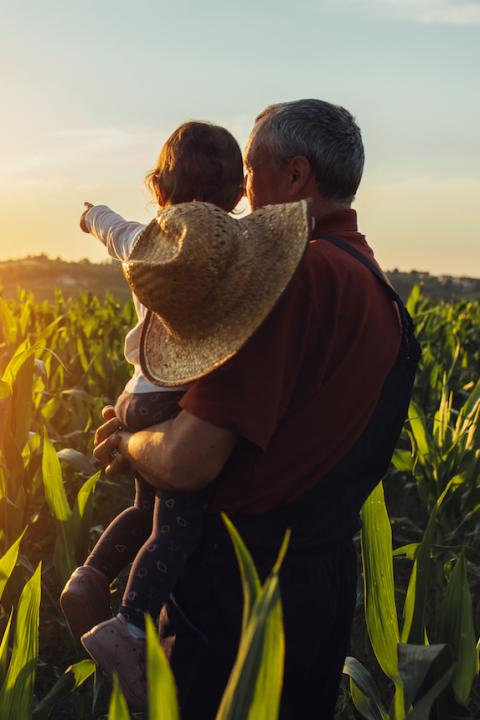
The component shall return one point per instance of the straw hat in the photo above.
(209, 280)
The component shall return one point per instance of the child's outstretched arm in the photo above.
(116, 233)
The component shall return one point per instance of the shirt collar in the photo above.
(338, 222)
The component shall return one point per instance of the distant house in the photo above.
(66, 280)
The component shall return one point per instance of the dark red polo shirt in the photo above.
(303, 388)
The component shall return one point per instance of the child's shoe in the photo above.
(85, 600)
(115, 650)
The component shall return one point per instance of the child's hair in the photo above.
(199, 161)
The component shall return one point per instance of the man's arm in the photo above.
(182, 454)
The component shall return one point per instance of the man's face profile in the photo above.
(265, 177)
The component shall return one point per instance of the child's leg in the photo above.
(177, 528)
(123, 538)
(126, 534)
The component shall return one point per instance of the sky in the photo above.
(90, 91)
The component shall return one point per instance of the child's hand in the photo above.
(83, 225)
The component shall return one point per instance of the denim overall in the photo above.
(200, 625)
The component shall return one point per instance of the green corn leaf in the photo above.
(413, 630)
(81, 671)
(79, 521)
(408, 551)
(414, 662)
(414, 299)
(380, 611)
(8, 323)
(4, 648)
(364, 691)
(162, 692)
(254, 688)
(78, 460)
(422, 708)
(8, 562)
(53, 482)
(118, 709)
(456, 628)
(248, 571)
(73, 677)
(418, 427)
(64, 555)
(17, 690)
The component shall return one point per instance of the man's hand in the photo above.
(108, 441)
(83, 225)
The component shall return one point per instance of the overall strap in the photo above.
(407, 323)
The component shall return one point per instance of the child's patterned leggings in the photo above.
(157, 533)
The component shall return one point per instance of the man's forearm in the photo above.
(183, 454)
(147, 451)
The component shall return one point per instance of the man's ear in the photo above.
(299, 173)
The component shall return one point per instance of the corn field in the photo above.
(414, 651)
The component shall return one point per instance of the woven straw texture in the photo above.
(209, 280)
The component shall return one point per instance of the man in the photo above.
(295, 429)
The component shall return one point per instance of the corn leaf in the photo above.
(364, 691)
(78, 522)
(73, 677)
(422, 708)
(413, 630)
(78, 460)
(254, 688)
(8, 562)
(118, 709)
(4, 648)
(418, 426)
(162, 692)
(17, 690)
(248, 571)
(456, 629)
(64, 555)
(414, 662)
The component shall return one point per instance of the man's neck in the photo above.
(327, 206)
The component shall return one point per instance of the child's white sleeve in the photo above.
(116, 233)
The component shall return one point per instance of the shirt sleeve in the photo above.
(117, 234)
(252, 391)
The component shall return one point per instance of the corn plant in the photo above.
(419, 670)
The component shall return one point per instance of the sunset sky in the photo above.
(90, 91)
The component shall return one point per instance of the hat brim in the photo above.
(170, 361)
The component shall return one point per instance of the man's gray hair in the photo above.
(327, 135)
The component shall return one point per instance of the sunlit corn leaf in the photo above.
(73, 677)
(79, 520)
(58, 503)
(19, 375)
(118, 708)
(8, 323)
(17, 690)
(248, 571)
(414, 662)
(456, 628)
(414, 299)
(4, 648)
(403, 460)
(379, 588)
(364, 691)
(8, 562)
(254, 688)
(418, 427)
(408, 551)
(162, 692)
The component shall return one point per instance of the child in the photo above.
(199, 161)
